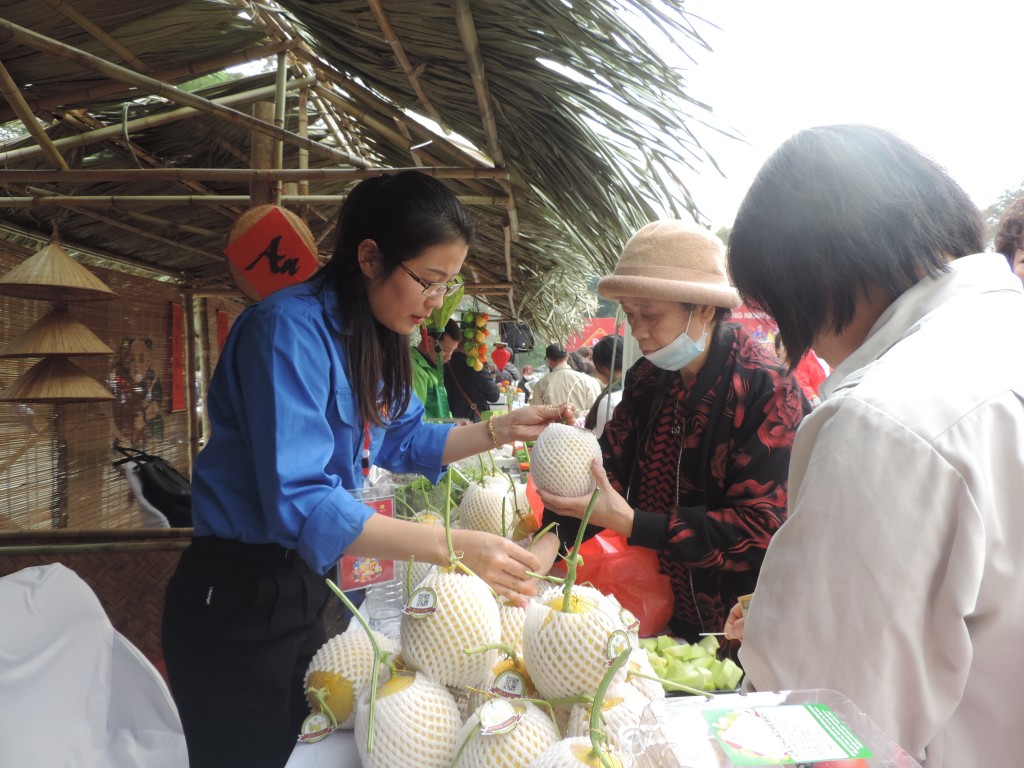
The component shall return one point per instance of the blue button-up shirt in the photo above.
(287, 438)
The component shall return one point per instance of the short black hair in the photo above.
(836, 211)
(555, 352)
(607, 354)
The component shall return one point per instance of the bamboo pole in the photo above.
(147, 175)
(146, 201)
(471, 44)
(126, 546)
(100, 34)
(134, 230)
(13, 95)
(261, 153)
(178, 73)
(125, 146)
(141, 123)
(403, 61)
(19, 34)
(190, 375)
(279, 112)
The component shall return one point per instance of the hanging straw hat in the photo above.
(56, 333)
(55, 379)
(52, 274)
(672, 260)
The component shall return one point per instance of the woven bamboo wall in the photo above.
(55, 460)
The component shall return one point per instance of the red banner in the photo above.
(595, 330)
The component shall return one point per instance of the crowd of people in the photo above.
(868, 505)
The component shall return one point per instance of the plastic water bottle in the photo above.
(384, 603)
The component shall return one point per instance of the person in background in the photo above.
(607, 359)
(897, 579)
(563, 385)
(470, 392)
(696, 454)
(1009, 239)
(582, 361)
(314, 386)
(526, 378)
(428, 360)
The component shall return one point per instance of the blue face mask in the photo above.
(679, 352)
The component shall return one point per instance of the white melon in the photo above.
(416, 724)
(561, 458)
(501, 734)
(447, 613)
(576, 751)
(487, 507)
(621, 711)
(568, 654)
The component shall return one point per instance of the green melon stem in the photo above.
(573, 559)
(379, 657)
(408, 577)
(321, 697)
(597, 734)
(677, 686)
(508, 650)
(541, 532)
(548, 578)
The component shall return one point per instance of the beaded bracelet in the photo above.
(490, 431)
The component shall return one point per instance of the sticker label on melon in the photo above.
(618, 641)
(510, 684)
(498, 716)
(315, 728)
(422, 602)
(631, 622)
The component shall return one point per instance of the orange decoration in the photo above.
(270, 248)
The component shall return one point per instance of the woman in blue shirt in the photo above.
(313, 386)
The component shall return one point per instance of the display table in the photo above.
(336, 751)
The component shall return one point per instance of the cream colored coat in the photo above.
(898, 579)
(564, 385)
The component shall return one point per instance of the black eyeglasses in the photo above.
(432, 290)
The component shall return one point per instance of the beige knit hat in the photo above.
(672, 260)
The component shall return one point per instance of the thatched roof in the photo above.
(556, 121)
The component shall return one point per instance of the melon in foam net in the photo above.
(561, 458)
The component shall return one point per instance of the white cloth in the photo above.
(151, 516)
(898, 578)
(605, 409)
(73, 690)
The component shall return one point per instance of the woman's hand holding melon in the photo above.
(610, 511)
(526, 424)
(501, 563)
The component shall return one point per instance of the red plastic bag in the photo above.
(631, 574)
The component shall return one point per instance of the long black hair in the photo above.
(403, 213)
(839, 210)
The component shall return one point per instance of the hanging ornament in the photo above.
(501, 355)
(474, 330)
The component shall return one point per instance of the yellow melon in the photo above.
(343, 666)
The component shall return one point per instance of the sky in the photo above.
(945, 76)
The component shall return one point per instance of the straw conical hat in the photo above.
(56, 333)
(52, 274)
(54, 379)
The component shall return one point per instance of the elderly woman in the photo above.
(898, 578)
(696, 454)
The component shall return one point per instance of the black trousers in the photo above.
(241, 624)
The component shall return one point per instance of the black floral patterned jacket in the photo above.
(705, 469)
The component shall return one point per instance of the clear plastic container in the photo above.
(734, 729)
(384, 603)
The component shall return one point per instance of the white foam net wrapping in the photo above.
(560, 460)
(466, 616)
(415, 727)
